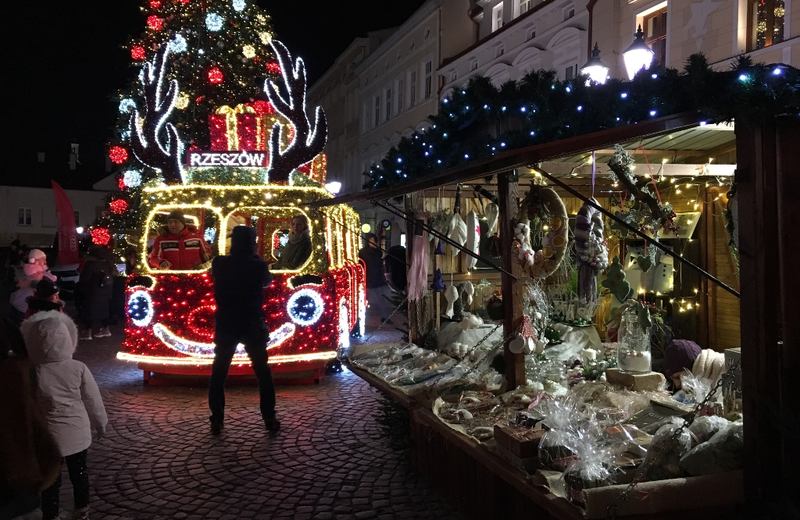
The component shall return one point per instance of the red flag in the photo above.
(67, 234)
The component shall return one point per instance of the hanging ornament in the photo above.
(101, 236)
(214, 22)
(239, 5)
(155, 4)
(215, 76)
(263, 107)
(118, 154)
(473, 238)
(265, 37)
(126, 105)
(458, 228)
(439, 248)
(182, 101)
(590, 247)
(469, 291)
(138, 53)
(178, 44)
(118, 206)
(438, 283)
(121, 183)
(132, 178)
(155, 23)
(273, 67)
(451, 295)
(249, 51)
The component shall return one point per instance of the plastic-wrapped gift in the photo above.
(666, 451)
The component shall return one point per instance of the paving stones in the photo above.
(331, 459)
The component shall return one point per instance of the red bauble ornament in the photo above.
(263, 107)
(155, 23)
(155, 4)
(215, 76)
(118, 206)
(101, 236)
(118, 154)
(274, 67)
(138, 53)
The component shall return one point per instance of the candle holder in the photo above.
(633, 349)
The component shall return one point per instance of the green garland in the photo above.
(730, 226)
(482, 120)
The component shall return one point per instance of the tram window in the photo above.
(182, 239)
(275, 242)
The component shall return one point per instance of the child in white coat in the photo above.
(71, 400)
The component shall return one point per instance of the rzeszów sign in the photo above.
(238, 159)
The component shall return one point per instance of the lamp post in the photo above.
(638, 56)
(594, 68)
(333, 186)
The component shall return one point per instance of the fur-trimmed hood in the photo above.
(50, 336)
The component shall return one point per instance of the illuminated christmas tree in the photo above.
(219, 51)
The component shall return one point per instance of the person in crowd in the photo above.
(178, 246)
(70, 399)
(377, 288)
(682, 355)
(94, 290)
(239, 279)
(45, 298)
(396, 271)
(298, 248)
(29, 458)
(33, 270)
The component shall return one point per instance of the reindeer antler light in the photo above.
(144, 135)
(306, 144)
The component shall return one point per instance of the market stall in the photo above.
(585, 417)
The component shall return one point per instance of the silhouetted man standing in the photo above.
(239, 279)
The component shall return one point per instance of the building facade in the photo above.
(29, 214)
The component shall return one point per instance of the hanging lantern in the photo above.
(638, 56)
(594, 68)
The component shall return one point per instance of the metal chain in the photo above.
(383, 322)
(613, 507)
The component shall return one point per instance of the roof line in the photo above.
(511, 159)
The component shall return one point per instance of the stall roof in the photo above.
(681, 136)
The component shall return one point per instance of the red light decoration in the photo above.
(218, 132)
(155, 23)
(118, 206)
(273, 67)
(118, 154)
(263, 107)
(247, 130)
(184, 305)
(215, 76)
(121, 183)
(155, 4)
(101, 236)
(138, 53)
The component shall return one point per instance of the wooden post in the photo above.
(413, 333)
(508, 193)
(708, 256)
(759, 312)
(787, 404)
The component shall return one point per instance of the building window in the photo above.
(655, 34)
(428, 78)
(571, 72)
(24, 216)
(412, 85)
(388, 103)
(401, 88)
(764, 23)
(524, 6)
(497, 16)
(377, 113)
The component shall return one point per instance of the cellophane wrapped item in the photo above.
(563, 421)
(724, 451)
(693, 389)
(666, 451)
(593, 466)
(705, 427)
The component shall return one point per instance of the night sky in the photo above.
(62, 61)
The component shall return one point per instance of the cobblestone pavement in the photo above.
(331, 460)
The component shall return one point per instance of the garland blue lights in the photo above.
(482, 120)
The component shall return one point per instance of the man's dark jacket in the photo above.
(239, 279)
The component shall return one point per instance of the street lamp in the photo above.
(333, 186)
(594, 68)
(638, 56)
